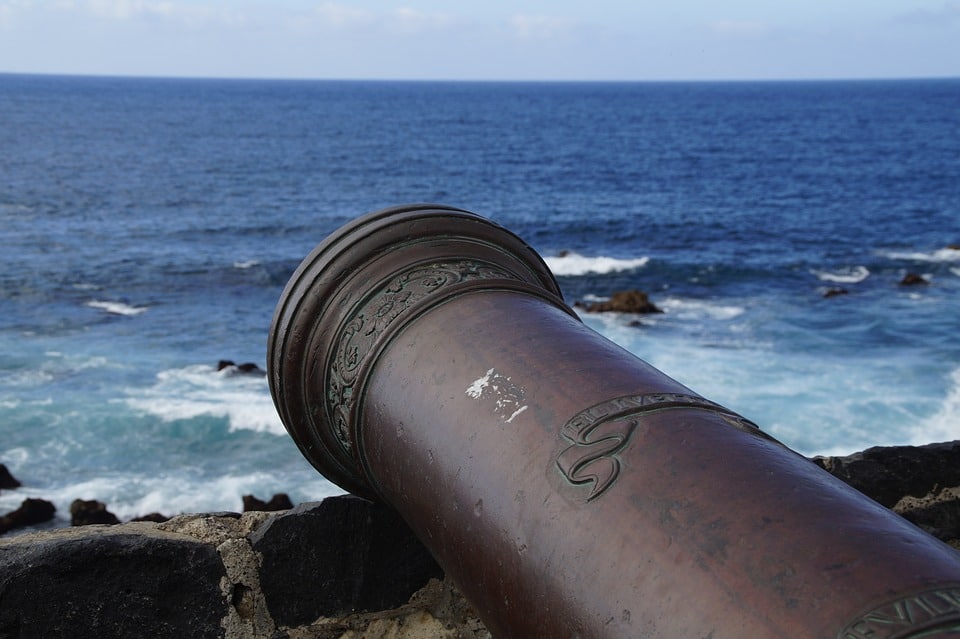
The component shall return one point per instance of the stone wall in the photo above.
(343, 568)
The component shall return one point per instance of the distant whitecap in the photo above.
(851, 275)
(246, 264)
(572, 264)
(939, 255)
(117, 308)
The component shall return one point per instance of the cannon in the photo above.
(423, 356)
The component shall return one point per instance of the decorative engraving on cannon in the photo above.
(373, 315)
(600, 432)
(922, 614)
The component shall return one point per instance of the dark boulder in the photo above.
(247, 368)
(111, 582)
(912, 279)
(833, 292)
(6, 479)
(156, 518)
(30, 513)
(632, 301)
(280, 501)
(87, 512)
(341, 554)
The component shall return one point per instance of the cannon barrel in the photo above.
(423, 356)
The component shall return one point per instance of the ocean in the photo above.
(148, 226)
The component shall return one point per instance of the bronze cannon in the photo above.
(424, 356)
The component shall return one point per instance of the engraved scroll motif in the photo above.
(922, 614)
(602, 431)
(374, 314)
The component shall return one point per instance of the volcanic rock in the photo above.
(912, 279)
(6, 479)
(31, 512)
(632, 301)
(87, 512)
(280, 501)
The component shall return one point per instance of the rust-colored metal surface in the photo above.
(422, 355)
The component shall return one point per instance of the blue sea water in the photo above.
(148, 226)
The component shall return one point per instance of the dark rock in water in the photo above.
(111, 582)
(833, 292)
(87, 512)
(156, 518)
(341, 554)
(280, 501)
(953, 247)
(30, 513)
(247, 368)
(632, 301)
(250, 368)
(912, 279)
(6, 479)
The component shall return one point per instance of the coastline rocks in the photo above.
(632, 301)
(913, 279)
(30, 513)
(110, 582)
(89, 512)
(340, 568)
(343, 568)
(232, 368)
(834, 292)
(368, 560)
(6, 479)
(280, 501)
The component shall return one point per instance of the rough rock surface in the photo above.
(343, 568)
(338, 569)
(128, 581)
(632, 301)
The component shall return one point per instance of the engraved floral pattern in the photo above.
(375, 314)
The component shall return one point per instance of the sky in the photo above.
(484, 40)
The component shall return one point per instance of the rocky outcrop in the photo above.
(6, 479)
(344, 568)
(632, 301)
(341, 568)
(913, 279)
(30, 513)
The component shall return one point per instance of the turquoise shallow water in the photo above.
(147, 228)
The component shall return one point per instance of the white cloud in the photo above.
(947, 13)
(410, 21)
(339, 16)
(539, 27)
(190, 15)
(739, 28)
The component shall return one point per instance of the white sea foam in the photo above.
(576, 264)
(691, 309)
(955, 271)
(851, 275)
(246, 264)
(116, 308)
(938, 255)
(944, 425)
(185, 393)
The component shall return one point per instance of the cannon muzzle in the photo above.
(423, 356)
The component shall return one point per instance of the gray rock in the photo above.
(95, 582)
(340, 555)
